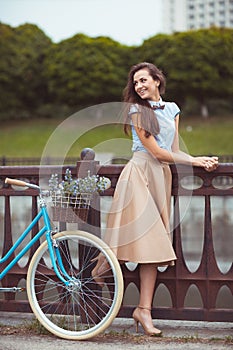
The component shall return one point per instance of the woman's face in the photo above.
(145, 86)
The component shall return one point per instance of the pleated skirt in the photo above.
(138, 227)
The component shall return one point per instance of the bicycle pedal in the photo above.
(12, 289)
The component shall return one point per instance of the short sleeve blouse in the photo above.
(166, 120)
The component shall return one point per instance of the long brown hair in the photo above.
(148, 121)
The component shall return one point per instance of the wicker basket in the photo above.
(72, 209)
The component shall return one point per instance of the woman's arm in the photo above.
(176, 148)
(175, 144)
(176, 156)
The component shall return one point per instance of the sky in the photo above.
(129, 22)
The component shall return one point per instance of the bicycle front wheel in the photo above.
(82, 309)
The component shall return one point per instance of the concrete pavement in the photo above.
(177, 335)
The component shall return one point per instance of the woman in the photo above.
(138, 224)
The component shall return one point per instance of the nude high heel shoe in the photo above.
(100, 269)
(149, 330)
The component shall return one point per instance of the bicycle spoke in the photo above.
(81, 308)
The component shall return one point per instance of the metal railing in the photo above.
(208, 279)
(14, 161)
(9, 161)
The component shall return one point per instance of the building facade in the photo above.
(183, 15)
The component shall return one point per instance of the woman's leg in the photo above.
(142, 314)
(148, 275)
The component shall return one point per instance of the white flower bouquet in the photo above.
(72, 197)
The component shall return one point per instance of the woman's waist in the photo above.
(142, 155)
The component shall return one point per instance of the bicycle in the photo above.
(62, 293)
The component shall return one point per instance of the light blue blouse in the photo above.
(166, 120)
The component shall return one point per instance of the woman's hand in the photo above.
(208, 163)
(213, 165)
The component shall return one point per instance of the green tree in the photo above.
(38, 77)
(203, 64)
(198, 64)
(83, 70)
(8, 98)
(23, 85)
(160, 50)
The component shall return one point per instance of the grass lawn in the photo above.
(28, 138)
(211, 136)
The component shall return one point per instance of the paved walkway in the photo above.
(178, 335)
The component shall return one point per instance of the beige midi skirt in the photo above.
(138, 222)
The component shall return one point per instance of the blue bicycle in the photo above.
(63, 293)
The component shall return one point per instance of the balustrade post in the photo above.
(86, 165)
(7, 242)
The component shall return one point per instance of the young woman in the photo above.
(138, 224)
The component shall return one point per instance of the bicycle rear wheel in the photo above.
(82, 309)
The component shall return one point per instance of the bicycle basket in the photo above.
(69, 208)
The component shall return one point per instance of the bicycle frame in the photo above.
(64, 293)
(52, 246)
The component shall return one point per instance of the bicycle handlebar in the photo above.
(20, 183)
(16, 182)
